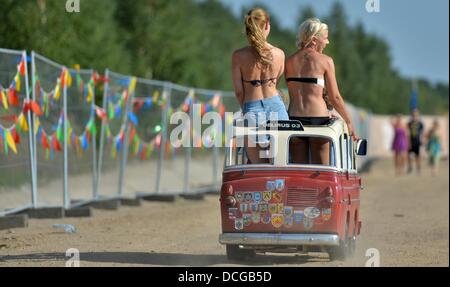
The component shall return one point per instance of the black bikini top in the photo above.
(257, 83)
(320, 82)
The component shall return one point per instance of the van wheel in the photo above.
(236, 253)
(345, 249)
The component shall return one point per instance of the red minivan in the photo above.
(292, 203)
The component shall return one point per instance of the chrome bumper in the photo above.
(285, 239)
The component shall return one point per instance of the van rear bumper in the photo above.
(274, 239)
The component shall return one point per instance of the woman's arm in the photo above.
(335, 97)
(237, 79)
(283, 59)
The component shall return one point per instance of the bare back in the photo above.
(306, 99)
(250, 81)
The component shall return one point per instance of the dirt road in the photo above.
(406, 219)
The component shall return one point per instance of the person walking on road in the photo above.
(415, 129)
(434, 148)
(399, 145)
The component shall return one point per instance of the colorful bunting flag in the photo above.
(13, 98)
(10, 141)
(21, 67)
(4, 100)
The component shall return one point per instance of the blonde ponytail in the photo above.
(255, 21)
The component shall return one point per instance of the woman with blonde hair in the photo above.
(309, 73)
(256, 70)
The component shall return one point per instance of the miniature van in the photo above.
(282, 205)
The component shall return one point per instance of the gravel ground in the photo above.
(405, 218)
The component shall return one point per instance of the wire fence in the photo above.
(15, 134)
(147, 137)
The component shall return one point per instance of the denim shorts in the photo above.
(260, 111)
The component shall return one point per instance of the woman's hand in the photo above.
(351, 130)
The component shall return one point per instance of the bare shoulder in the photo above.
(292, 58)
(327, 60)
(241, 52)
(278, 52)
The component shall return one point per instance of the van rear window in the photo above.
(245, 152)
(313, 150)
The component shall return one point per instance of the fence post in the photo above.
(33, 84)
(102, 135)
(188, 150)
(167, 94)
(124, 154)
(94, 148)
(30, 135)
(66, 197)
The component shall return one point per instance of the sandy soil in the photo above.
(406, 219)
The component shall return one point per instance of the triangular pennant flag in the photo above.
(90, 94)
(62, 79)
(84, 142)
(56, 144)
(59, 134)
(118, 111)
(110, 110)
(15, 136)
(10, 141)
(69, 135)
(132, 86)
(4, 99)
(93, 128)
(68, 78)
(1, 140)
(17, 80)
(148, 103)
(118, 143)
(44, 141)
(35, 108)
(13, 98)
(37, 124)
(100, 113)
(155, 96)
(133, 118)
(21, 67)
(23, 124)
(215, 101)
(57, 93)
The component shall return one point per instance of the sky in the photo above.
(416, 30)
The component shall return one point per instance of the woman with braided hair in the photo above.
(256, 70)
